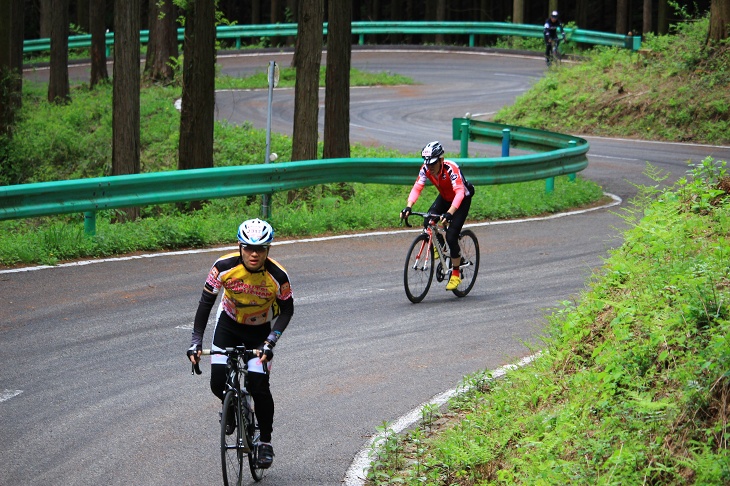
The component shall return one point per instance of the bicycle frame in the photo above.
(433, 230)
(555, 56)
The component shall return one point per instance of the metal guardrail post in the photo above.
(505, 142)
(464, 140)
(571, 176)
(90, 223)
(550, 184)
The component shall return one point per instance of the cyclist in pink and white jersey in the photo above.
(452, 203)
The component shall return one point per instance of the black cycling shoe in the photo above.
(264, 455)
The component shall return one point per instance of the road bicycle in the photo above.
(238, 409)
(555, 57)
(430, 251)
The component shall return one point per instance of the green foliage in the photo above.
(676, 88)
(634, 381)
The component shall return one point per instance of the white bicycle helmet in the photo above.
(255, 232)
(433, 150)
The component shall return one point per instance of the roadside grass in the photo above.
(287, 79)
(52, 240)
(632, 385)
(675, 89)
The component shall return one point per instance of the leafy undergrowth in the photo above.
(675, 88)
(633, 385)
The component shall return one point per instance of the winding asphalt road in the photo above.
(95, 389)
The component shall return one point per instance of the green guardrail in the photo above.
(561, 154)
(565, 154)
(361, 29)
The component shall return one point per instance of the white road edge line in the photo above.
(358, 470)
(8, 394)
(616, 201)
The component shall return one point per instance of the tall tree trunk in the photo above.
(58, 88)
(622, 17)
(46, 21)
(440, 17)
(195, 150)
(647, 26)
(162, 44)
(518, 11)
(308, 54)
(553, 5)
(396, 14)
(125, 110)
(719, 21)
(97, 25)
(255, 12)
(662, 17)
(11, 64)
(276, 14)
(581, 16)
(82, 15)
(337, 82)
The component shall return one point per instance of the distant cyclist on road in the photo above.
(550, 33)
(452, 203)
(256, 293)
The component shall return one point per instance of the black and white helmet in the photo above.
(255, 232)
(433, 150)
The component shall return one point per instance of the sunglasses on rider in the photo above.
(254, 248)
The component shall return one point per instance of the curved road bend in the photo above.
(95, 387)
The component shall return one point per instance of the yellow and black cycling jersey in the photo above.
(248, 298)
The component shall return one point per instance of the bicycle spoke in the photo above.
(470, 262)
(252, 437)
(418, 270)
(232, 445)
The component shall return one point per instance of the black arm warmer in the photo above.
(201, 316)
(286, 310)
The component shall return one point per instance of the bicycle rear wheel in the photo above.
(418, 270)
(469, 262)
(233, 446)
(252, 437)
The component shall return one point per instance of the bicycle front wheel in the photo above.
(233, 446)
(252, 437)
(556, 54)
(469, 262)
(418, 271)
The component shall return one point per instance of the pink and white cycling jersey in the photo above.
(450, 183)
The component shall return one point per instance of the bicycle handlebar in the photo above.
(236, 351)
(424, 215)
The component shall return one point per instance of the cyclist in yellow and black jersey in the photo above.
(256, 293)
